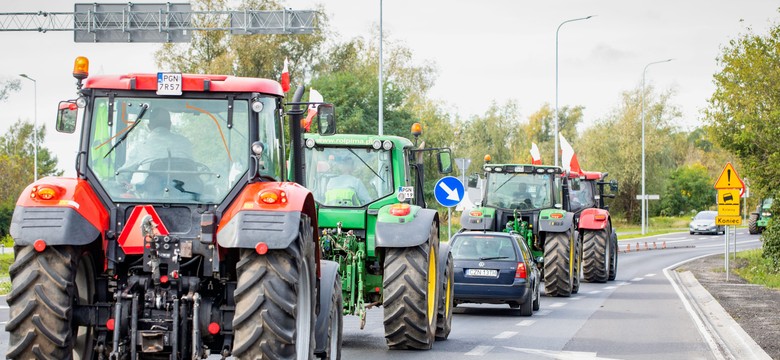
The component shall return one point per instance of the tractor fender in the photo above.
(411, 232)
(549, 224)
(249, 220)
(329, 271)
(594, 219)
(74, 216)
(480, 218)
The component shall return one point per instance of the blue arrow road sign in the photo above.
(449, 191)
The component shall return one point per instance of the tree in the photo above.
(7, 87)
(540, 129)
(690, 189)
(743, 115)
(613, 145)
(16, 160)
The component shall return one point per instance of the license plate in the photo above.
(482, 272)
(168, 84)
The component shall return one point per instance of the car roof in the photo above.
(484, 234)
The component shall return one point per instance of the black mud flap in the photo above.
(54, 225)
(278, 229)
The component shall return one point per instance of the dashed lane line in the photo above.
(594, 292)
(610, 287)
(637, 279)
(544, 312)
(650, 275)
(505, 335)
(480, 350)
(557, 305)
(624, 283)
(526, 323)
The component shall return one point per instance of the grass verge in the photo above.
(5, 261)
(754, 268)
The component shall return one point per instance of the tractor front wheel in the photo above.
(559, 264)
(410, 295)
(753, 224)
(447, 290)
(45, 286)
(596, 257)
(275, 296)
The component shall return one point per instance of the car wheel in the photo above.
(693, 233)
(536, 299)
(526, 308)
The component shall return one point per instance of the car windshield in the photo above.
(706, 215)
(179, 150)
(348, 177)
(483, 247)
(519, 191)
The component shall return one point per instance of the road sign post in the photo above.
(730, 188)
(449, 191)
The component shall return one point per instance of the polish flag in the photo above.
(314, 97)
(285, 77)
(568, 157)
(535, 155)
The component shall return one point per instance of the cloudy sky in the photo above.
(485, 51)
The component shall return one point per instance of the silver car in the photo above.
(704, 223)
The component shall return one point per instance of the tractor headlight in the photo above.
(81, 102)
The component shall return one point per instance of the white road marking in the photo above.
(702, 238)
(557, 305)
(4, 307)
(594, 292)
(637, 279)
(624, 283)
(575, 298)
(610, 287)
(560, 355)
(505, 335)
(480, 350)
(673, 238)
(543, 312)
(526, 323)
(649, 275)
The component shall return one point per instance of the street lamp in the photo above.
(35, 125)
(381, 95)
(555, 134)
(644, 197)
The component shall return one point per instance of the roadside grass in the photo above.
(754, 268)
(656, 226)
(5, 261)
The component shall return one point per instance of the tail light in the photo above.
(600, 217)
(271, 197)
(521, 272)
(45, 192)
(400, 209)
(556, 216)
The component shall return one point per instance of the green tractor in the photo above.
(375, 224)
(532, 200)
(760, 218)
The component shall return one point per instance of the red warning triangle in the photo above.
(131, 240)
(729, 179)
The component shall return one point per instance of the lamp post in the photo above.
(644, 196)
(35, 125)
(381, 95)
(555, 134)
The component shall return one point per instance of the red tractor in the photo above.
(179, 236)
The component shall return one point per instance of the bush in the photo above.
(771, 237)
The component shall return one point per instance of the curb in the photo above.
(731, 340)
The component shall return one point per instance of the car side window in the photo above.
(523, 248)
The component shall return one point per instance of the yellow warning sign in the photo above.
(728, 220)
(728, 197)
(729, 179)
(728, 210)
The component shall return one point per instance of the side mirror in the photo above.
(445, 162)
(66, 117)
(613, 185)
(326, 119)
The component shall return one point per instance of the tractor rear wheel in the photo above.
(447, 290)
(752, 224)
(45, 286)
(410, 295)
(335, 324)
(596, 256)
(613, 261)
(275, 296)
(559, 265)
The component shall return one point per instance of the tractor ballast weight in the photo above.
(162, 250)
(376, 226)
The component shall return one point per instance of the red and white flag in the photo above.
(314, 97)
(285, 77)
(535, 155)
(568, 157)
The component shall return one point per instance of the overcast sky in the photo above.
(485, 51)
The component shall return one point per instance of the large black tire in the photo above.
(527, 307)
(536, 298)
(558, 269)
(613, 261)
(752, 224)
(44, 288)
(410, 295)
(335, 324)
(275, 296)
(446, 296)
(596, 256)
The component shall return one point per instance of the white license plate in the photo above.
(168, 84)
(482, 272)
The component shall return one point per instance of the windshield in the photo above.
(519, 191)
(179, 150)
(706, 215)
(483, 247)
(348, 177)
(767, 203)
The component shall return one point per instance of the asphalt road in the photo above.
(638, 316)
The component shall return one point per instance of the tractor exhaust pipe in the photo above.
(296, 146)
